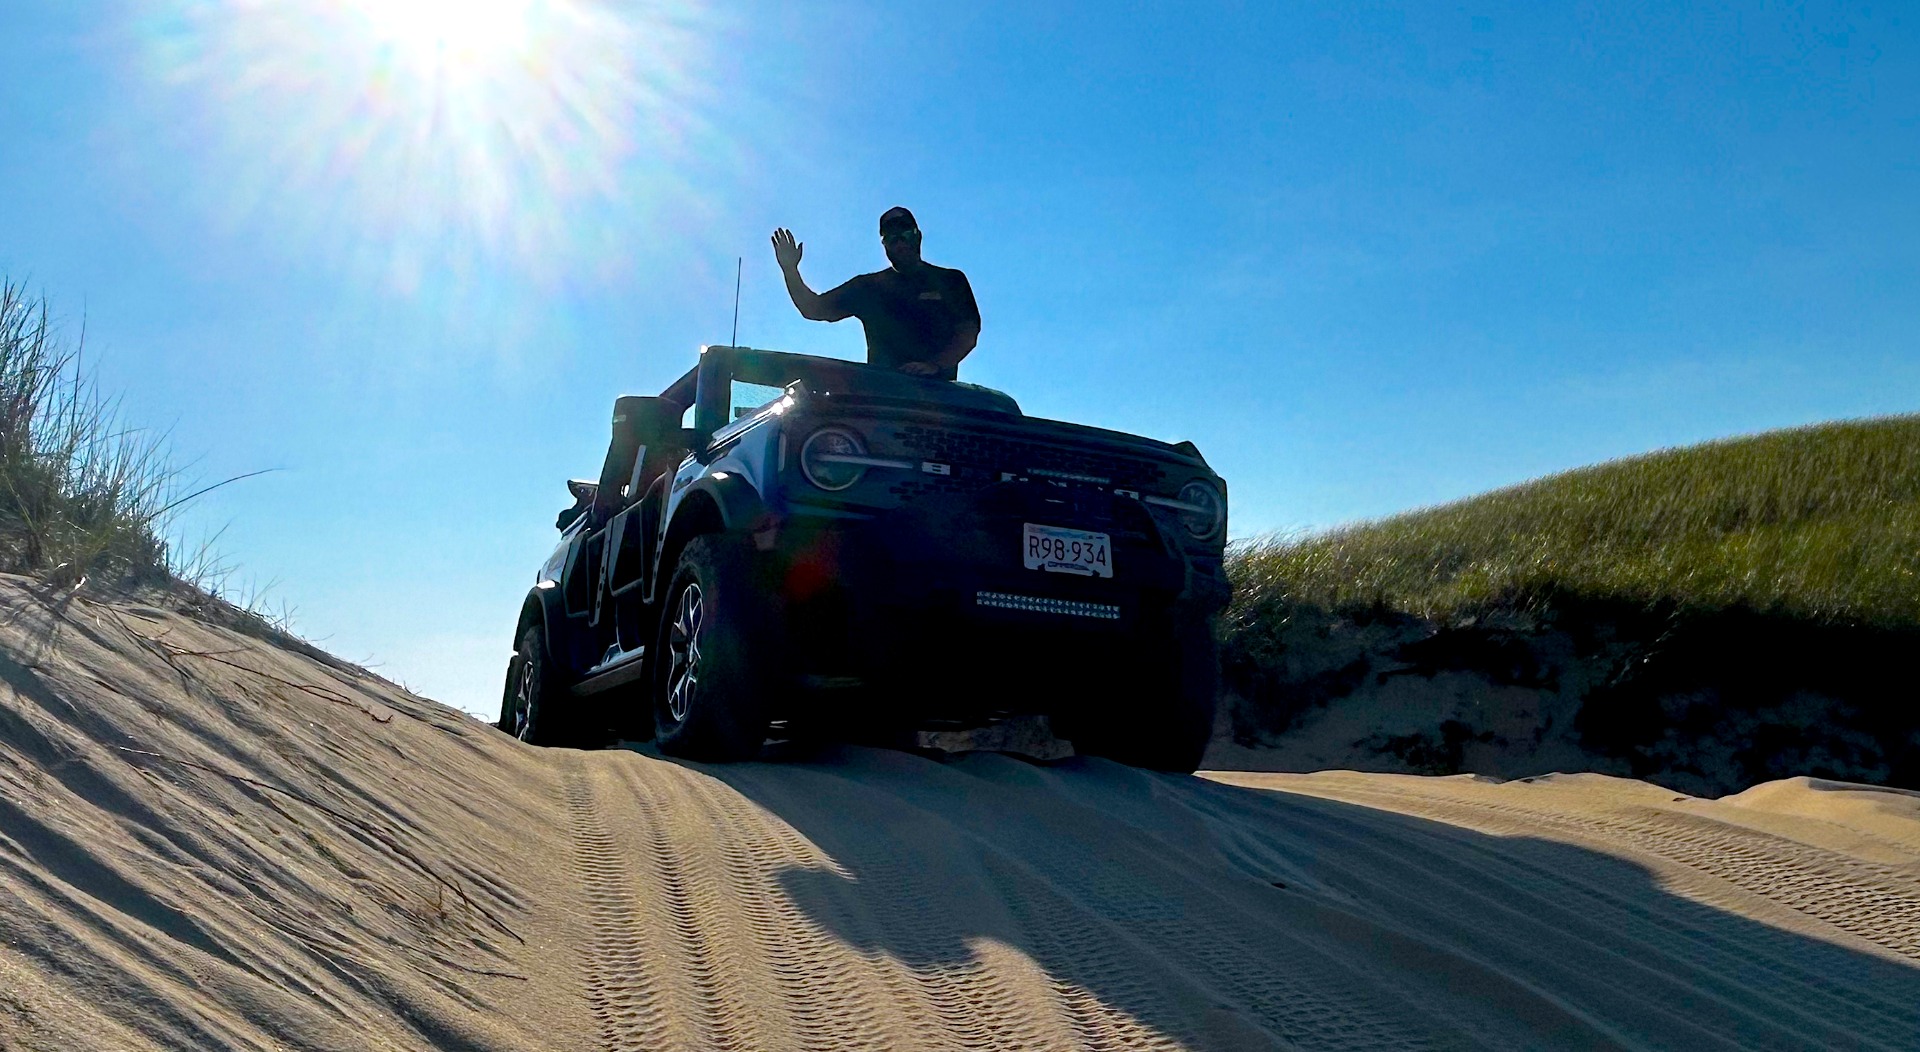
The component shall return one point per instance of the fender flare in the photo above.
(709, 505)
(544, 606)
(739, 503)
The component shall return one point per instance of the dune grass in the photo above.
(1819, 523)
(85, 495)
(81, 491)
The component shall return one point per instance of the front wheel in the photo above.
(720, 660)
(1157, 713)
(534, 709)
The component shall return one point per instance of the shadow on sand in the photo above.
(1225, 917)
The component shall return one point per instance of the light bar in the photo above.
(1038, 604)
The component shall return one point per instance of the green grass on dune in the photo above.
(1818, 522)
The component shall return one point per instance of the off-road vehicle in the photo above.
(782, 544)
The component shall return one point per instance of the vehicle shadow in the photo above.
(1155, 907)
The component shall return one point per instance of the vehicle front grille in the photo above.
(923, 485)
(992, 455)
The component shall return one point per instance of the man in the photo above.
(919, 318)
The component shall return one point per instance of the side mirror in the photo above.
(583, 492)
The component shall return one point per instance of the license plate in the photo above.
(1057, 550)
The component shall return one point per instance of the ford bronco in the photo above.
(779, 542)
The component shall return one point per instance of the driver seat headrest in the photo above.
(637, 421)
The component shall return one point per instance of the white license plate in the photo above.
(1055, 550)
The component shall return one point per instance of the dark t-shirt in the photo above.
(909, 317)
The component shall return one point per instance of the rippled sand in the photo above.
(208, 843)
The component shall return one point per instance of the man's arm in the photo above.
(967, 334)
(812, 305)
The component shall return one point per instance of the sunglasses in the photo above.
(899, 235)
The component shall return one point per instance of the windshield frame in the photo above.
(708, 387)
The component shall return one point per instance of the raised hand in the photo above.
(786, 251)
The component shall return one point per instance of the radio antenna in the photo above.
(734, 340)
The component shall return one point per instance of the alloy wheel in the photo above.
(683, 646)
(523, 699)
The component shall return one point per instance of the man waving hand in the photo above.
(920, 319)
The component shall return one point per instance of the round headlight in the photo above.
(1205, 513)
(827, 458)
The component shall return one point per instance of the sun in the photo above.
(427, 137)
(465, 33)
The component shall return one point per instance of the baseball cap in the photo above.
(897, 219)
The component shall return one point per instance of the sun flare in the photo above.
(459, 31)
(426, 136)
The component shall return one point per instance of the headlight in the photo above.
(1201, 510)
(1205, 513)
(833, 458)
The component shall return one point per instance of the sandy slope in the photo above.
(206, 843)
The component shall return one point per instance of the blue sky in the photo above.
(1368, 257)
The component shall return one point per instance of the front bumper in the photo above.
(941, 584)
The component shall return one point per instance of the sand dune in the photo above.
(209, 843)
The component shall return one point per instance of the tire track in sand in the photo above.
(1748, 864)
(626, 1010)
(824, 994)
(1868, 900)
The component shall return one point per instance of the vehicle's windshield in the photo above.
(748, 397)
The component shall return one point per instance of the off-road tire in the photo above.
(720, 620)
(1160, 709)
(509, 702)
(533, 689)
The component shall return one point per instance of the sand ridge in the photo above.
(210, 843)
